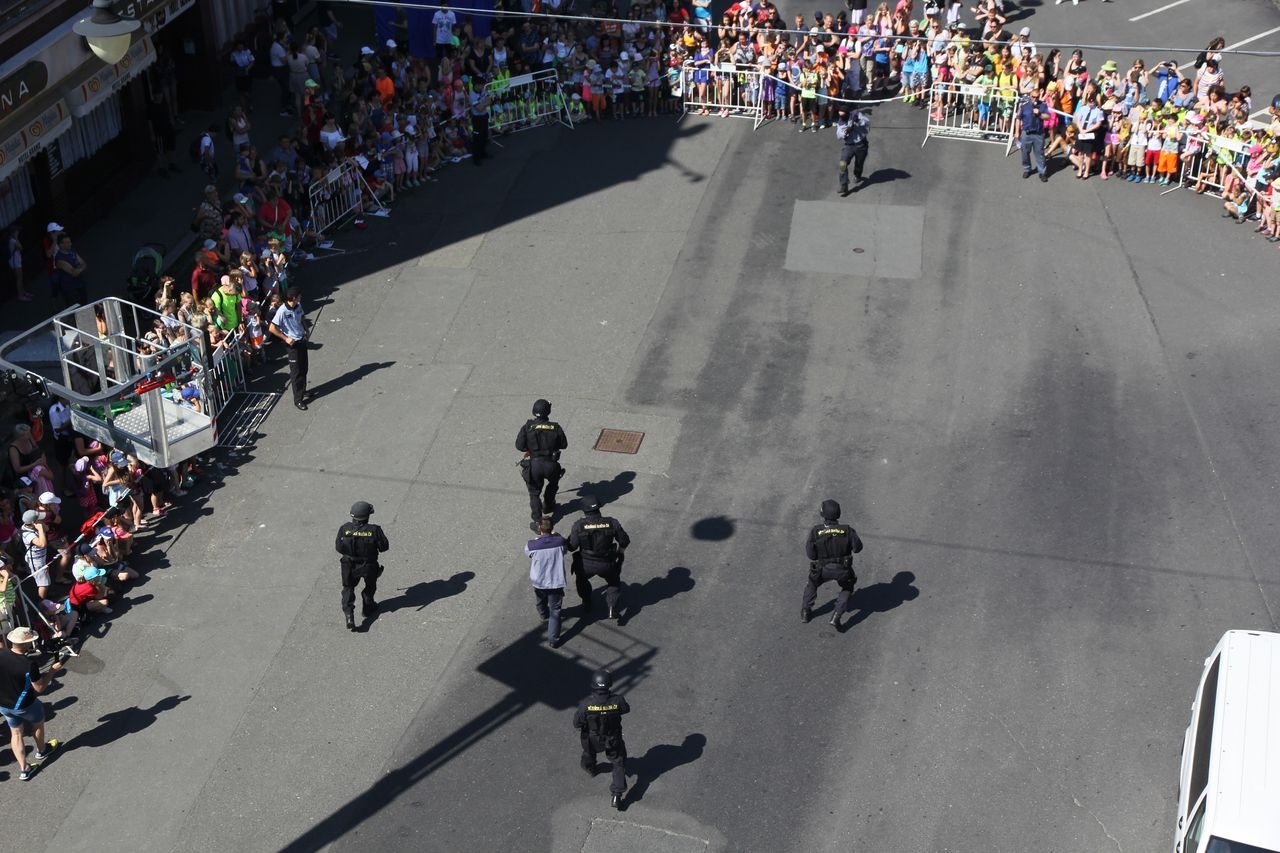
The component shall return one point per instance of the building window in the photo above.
(90, 133)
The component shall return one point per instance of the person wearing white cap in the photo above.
(20, 682)
(49, 242)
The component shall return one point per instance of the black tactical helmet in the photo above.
(830, 510)
(541, 408)
(601, 680)
(361, 509)
(590, 503)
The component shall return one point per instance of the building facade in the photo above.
(74, 132)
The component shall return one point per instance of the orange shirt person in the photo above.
(385, 86)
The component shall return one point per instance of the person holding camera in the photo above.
(35, 539)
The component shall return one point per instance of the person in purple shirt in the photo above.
(546, 573)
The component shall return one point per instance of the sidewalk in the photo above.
(161, 207)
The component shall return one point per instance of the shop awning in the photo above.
(37, 124)
(93, 82)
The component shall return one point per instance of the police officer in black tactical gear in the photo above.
(598, 543)
(599, 723)
(830, 548)
(541, 441)
(360, 543)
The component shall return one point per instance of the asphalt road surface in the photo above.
(1050, 410)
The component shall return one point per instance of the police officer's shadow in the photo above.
(879, 598)
(638, 596)
(606, 491)
(421, 595)
(660, 759)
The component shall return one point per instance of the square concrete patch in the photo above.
(620, 836)
(826, 236)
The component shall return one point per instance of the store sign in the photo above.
(154, 14)
(35, 133)
(109, 79)
(21, 86)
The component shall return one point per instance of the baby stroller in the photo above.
(144, 279)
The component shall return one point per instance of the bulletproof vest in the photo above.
(595, 535)
(359, 542)
(833, 542)
(542, 437)
(603, 717)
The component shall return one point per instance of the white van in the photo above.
(1229, 788)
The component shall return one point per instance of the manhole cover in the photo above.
(619, 441)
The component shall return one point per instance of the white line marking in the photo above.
(1239, 44)
(1158, 11)
(1261, 112)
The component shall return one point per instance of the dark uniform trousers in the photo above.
(609, 567)
(352, 574)
(599, 722)
(542, 476)
(854, 153)
(820, 573)
(298, 370)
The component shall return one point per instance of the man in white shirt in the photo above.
(280, 70)
(242, 59)
(444, 21)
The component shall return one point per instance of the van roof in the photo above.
(1245, 770)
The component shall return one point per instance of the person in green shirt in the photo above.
(228, 315)
(808, 98)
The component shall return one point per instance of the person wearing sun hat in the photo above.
(20, 684)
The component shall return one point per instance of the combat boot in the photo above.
(351, 622)
(370, 609)
(805, 615)
(617, 801)
(835, 620)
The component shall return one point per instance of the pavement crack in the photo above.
(1049, 776)
(1098, 820)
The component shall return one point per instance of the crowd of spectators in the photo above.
(71, 514)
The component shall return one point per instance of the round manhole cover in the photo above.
(858, 250)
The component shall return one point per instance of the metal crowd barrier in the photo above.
(1212, 163)
(335, 198)
(729, 91)
(965, 111)
(528, 100)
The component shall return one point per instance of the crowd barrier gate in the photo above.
(965, 111)
(527, 100)
(729, 91)
(337, 197)
(1212, 163)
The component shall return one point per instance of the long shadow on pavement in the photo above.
(424, 594)
(351, 377)
(535, 675)
(122, 723)
(678, 579)
(881, 597)
(660, 759)
(606, 491)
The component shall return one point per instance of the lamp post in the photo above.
(108, 34)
